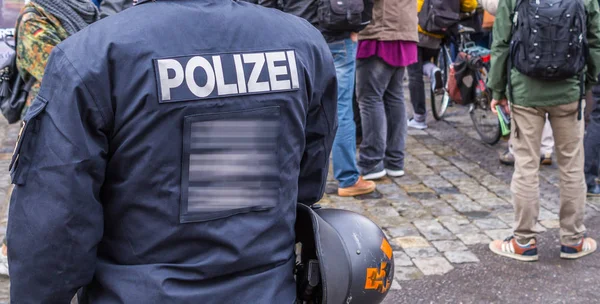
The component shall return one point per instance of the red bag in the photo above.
(453, 89)
(462, 77)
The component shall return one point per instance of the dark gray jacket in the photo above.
(307, 9)
(155, 168)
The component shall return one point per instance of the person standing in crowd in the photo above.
(532, 97)
(153, 150)
(43, 25)
(428, 50)
(343, 45)
(386, 47)
(592, 146)
(547, 147)
(111, 7)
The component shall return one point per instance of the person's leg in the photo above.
(395, 111)
(429, 58)
(507, 157)
(416, 87)
(526, 136)
(373, 76)
(344, 145)
(568, 135)
(592, 149)
(547, 148)
(357, 121)
(526, 131)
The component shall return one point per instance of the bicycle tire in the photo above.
(440, 100)
(484, 120)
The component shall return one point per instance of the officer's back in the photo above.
(165, 154)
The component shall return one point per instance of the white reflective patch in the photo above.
(200, 62)
(291, 55)
(166, 83)
(258, 59)
(188, 78)
(239, 71)
(222, 88)
(275, 71)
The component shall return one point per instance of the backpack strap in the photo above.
(582, 91)
(514, 17)
(582, 76)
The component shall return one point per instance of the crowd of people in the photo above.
(371, 61)
(395, 41)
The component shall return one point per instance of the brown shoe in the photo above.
(546, 159)
(361, 187)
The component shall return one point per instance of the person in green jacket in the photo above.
(531, 100)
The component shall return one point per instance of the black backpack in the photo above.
(549, 41)
(13, 89)
(439, 16)
(341, 15)
(549, 38)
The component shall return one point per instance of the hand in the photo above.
(354, 36)
(503, 103)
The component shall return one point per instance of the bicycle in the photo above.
(485, 122)
(440, 99)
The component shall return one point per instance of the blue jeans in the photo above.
(344, 145)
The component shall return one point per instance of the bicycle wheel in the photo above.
(440, 98)
(484, 120)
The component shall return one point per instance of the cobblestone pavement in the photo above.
(454, 199)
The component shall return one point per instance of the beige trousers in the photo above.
(547, 140)
(527, 126)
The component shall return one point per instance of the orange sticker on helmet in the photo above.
(379, 279)
(386, 248)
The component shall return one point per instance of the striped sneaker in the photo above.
(585, 246)
(510, 248)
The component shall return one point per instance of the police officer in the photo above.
(164, 156)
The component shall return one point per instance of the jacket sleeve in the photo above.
(593, 38)
(56, 218)
(468, 5)
(36, 39)
(497, 79)
(321, 127)
(111, 7)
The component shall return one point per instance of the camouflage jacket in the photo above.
(38, 34)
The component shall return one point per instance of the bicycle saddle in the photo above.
(465, 29)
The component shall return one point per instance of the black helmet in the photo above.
(343, 258)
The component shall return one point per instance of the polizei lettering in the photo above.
(198, 77)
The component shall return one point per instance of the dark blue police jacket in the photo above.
(165, 154)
